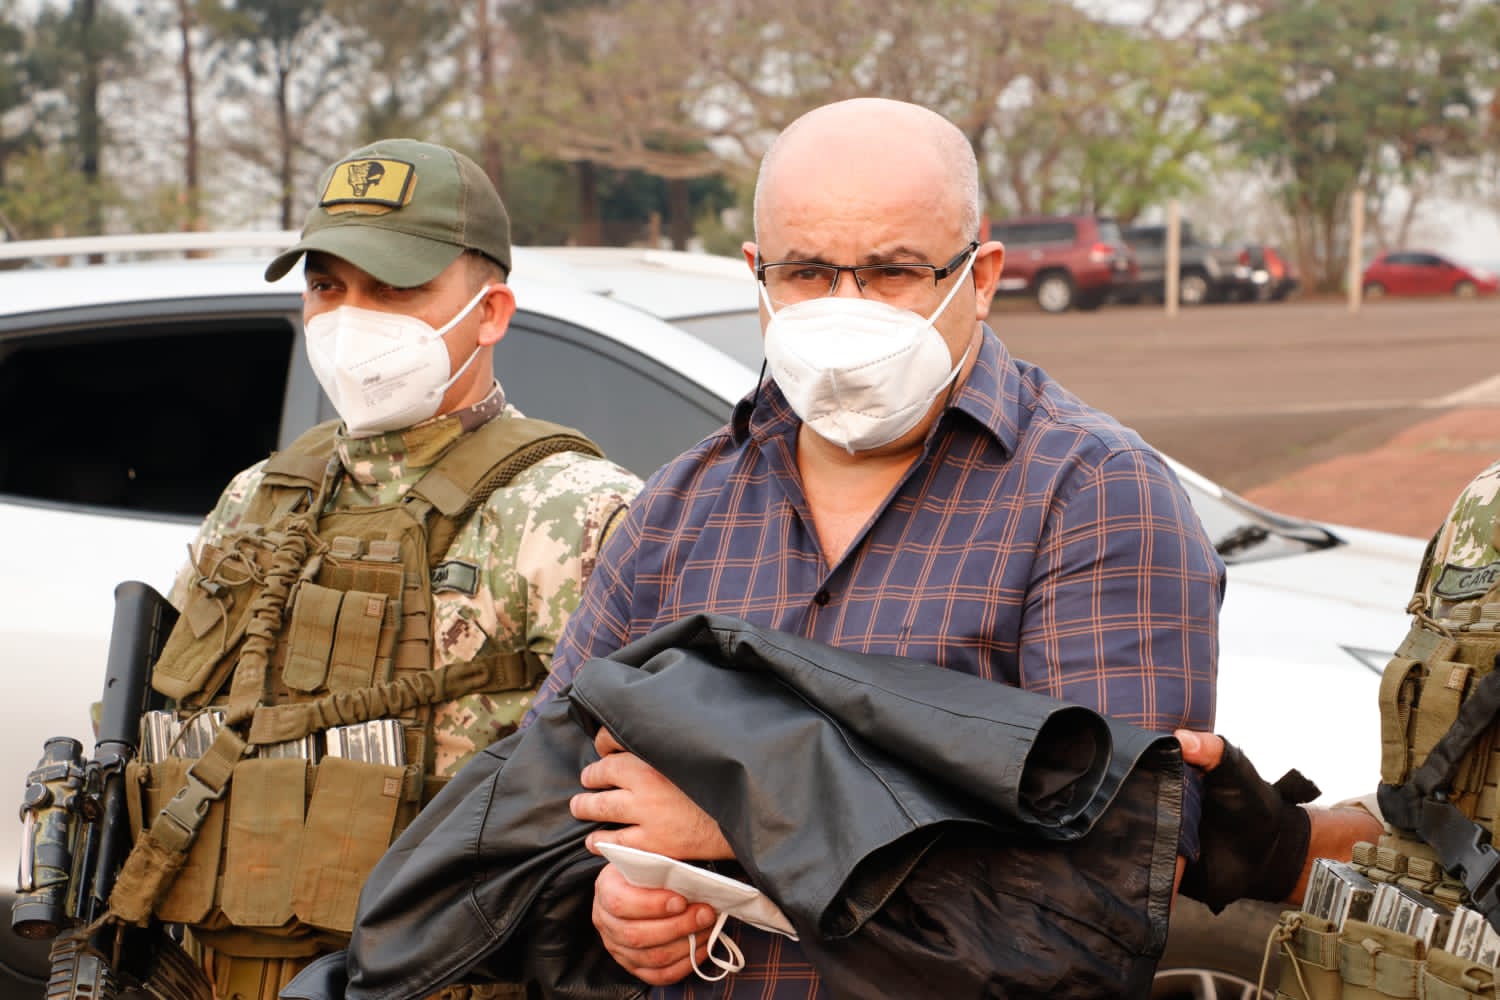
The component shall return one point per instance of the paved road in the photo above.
(1374, 419)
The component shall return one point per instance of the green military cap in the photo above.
(402, 211)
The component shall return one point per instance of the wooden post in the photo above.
(1356, 250)
(1174, 257)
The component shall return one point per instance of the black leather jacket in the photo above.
(958, 837)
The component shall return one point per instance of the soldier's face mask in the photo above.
(383, 371)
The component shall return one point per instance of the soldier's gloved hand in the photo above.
(1253, 835)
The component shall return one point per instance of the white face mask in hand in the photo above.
(729, 897)
(859, 372)
(383, 371)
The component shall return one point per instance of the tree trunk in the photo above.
(491, 152)
(1327, 221)
(1302, 239)
(191, 195)
(590, 226)
(284, 127)
(679, 213)
(90, 140)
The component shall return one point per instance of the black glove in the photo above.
(1253, 835)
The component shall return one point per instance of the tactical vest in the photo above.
(1418, 914)
(299, 623)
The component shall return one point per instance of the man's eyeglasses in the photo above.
(799, 280)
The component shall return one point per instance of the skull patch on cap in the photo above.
(374, 183)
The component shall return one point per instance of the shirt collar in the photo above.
(369, 459)
(990, 396)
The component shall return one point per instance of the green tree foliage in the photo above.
(781, 58)
(46, 195)
(401, 44)
(17, 83)
(620, 119)
(1117, 121)
(295, 48)
(1344, 95)
(52, 70)
(1065, 112)
(611, 85)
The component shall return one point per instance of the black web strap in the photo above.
(1421, 805)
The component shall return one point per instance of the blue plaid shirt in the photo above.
(1037, 542)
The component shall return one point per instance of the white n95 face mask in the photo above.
(859, 372)
(729, 898)
(383, 371)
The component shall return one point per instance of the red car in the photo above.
(1273, 275)
(1064, 261)
(1408, 272)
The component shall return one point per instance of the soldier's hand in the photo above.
(1254, 834)
(646, 930)
(650, 812)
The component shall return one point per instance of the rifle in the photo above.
(77, 834)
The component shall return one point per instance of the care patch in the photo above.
(1460, 582)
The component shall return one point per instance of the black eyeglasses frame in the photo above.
(938, 273)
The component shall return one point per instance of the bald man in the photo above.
(900, 485)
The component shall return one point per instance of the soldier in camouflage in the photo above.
(1442, 665)
(1463, 559)
(406, 257)
(533, 544)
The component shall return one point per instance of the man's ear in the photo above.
(989, 261)
(495, 312)
(751, 251)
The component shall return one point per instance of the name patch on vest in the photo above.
(1458, 582)
(455, 574)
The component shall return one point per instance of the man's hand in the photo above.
(1202, 750)
(652, 813)
(646, 930)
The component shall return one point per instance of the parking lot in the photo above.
(1374, 419)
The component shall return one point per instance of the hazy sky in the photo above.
(1473, 234)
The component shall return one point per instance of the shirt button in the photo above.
(821, 598)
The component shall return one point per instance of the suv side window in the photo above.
(1058, 232)
(1150, 237)
(640, 413)
(152, 417)
(1032, 233)
(140, 410)
(1011, 234)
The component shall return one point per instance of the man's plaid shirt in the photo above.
(1037, 542)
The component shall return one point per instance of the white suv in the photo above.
(131, 392)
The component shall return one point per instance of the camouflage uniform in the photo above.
(534, 542)
(1355, 936)
(402, 214)
(1463, 558)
